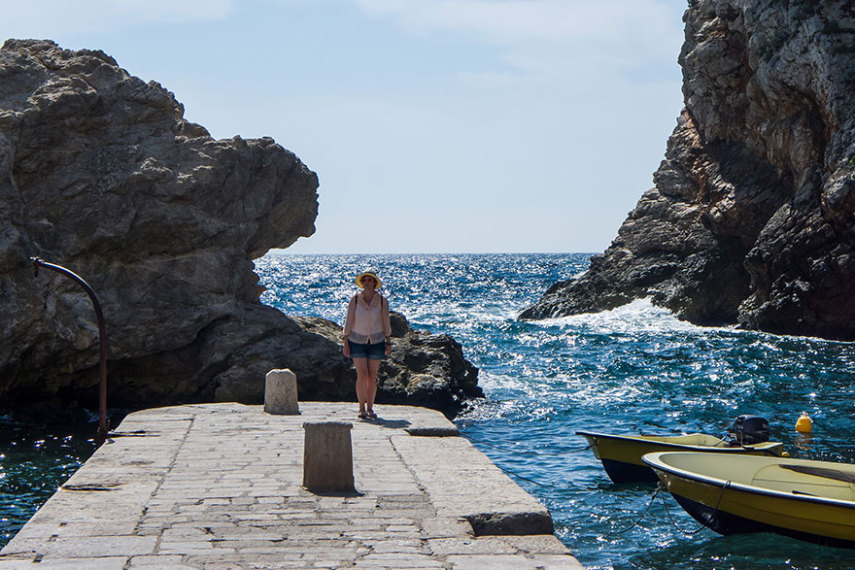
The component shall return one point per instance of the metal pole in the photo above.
(102, 336)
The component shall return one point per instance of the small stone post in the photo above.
(328, 457)
(280, 392)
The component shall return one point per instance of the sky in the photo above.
(434, 126)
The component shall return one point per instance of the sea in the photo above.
(634, 369)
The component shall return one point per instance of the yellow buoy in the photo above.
(804, 424)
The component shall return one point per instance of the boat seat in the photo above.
(835, 474)
(806, 480)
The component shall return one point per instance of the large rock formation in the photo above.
(752, 217)
(100, 173)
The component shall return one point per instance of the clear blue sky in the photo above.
(433, 125)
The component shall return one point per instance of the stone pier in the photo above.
(220, 486)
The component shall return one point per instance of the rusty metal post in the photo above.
(102, 336)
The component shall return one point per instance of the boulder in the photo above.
(101, 174)
(752, 217)
(423, 369)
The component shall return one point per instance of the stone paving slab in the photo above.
(219, 486)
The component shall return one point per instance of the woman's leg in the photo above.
(362, 380)
(371, 387)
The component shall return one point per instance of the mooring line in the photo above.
(508, 471)
(644, 514)
(657, 492)
(702, 526)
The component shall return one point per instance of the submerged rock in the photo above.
(752, 216)
(101, 173)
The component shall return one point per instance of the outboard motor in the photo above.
(750, 430)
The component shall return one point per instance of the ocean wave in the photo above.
(635, 368)
(640, 315)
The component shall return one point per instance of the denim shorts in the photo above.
(375, 351)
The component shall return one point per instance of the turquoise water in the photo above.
(633, 369)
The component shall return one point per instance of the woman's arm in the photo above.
(387, 323)
(348, 325)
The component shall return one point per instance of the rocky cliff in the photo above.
(101, 174)
(752, 216)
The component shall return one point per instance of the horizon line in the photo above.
(284, 251)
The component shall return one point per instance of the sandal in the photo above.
(372, 415)
(363, 416)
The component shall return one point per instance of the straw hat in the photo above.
(368, 274)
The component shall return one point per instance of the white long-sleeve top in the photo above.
(367, 323)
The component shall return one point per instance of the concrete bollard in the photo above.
(280, 393)
(327, 457)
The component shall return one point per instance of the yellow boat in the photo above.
(809, 500)
(621, 454)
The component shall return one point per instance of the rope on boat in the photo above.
(674, 523)
(656, 492)
(701, 526)
(659, 491)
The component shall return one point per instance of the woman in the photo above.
(367, 338)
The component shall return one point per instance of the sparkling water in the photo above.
(633, 369)
(34, 462)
